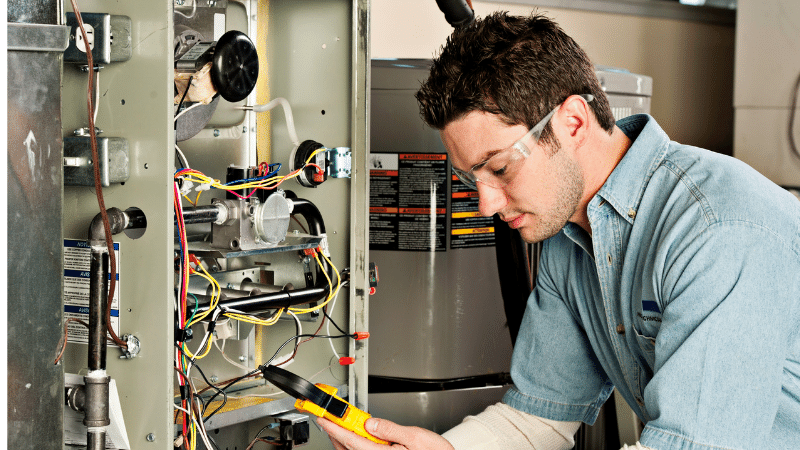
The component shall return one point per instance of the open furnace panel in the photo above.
(235, 214)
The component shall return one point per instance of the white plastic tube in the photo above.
(287, 110)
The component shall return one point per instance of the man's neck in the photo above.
(598, 159)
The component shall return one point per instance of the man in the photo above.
(669, 272)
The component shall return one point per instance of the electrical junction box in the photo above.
(112, 156)
(109, 38)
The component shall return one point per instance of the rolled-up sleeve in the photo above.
(555, 371)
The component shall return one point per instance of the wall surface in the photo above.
(691, 63)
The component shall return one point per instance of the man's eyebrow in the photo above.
(488, 156)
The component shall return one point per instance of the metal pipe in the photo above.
(204, 214)
(96, 404)
(98, 289)
(96, 439)
(95, 408)
(118, 220)
(264, 302)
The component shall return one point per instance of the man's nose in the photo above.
(490, 199)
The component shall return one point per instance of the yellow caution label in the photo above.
(463, 231)
(465, 214)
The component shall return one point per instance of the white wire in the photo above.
(182, 157)
(323, 370)
(187, 110)
(202, 427)
(328, 326)
(222, 352)
(96, 96)
(194, 10)
(182, 409)
(287, 111)
(288, 356)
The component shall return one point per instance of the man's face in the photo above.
(544, 194)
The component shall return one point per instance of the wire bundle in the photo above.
(192, 408)
(268, 179)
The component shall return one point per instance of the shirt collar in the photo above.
(624, 188)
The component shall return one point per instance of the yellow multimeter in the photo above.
(320, 400)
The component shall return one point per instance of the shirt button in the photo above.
(631, 213)
(621, 329)
(608, 257)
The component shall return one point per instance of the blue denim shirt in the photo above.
(685, 298)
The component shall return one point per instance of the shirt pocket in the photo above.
(646, 352)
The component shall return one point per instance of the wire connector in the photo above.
(186, 186)
(346, 360)
(311, 251)
(360, 335)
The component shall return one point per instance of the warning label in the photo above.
(408, 202)
(77, 261)
(467, 227)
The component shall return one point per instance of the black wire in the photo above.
(303, 336)
(188, 85)
(226, 387)
(224, 395)
(261, 431)
(325, 311)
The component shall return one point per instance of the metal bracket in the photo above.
(340, 162)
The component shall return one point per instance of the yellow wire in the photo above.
(255, 320)
(201, 178)
(320, 150)
(190, 201)
(331, 294)
(193, 432)
(200, 356)
(216, 290)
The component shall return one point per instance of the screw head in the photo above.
(242, 358)
(179, 2)
(151, 437)
(216, 133)
(214, 378)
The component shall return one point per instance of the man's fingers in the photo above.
(345, 439)
(384, 429)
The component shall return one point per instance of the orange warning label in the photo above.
(423, 156)
(381, 209)
(473, 231)
(467, 194)
(383, 173)
(421, 210)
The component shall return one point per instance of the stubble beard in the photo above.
(568, 191)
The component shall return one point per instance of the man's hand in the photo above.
(411, 438)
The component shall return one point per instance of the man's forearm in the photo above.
(501, 427)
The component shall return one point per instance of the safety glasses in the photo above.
(500, 169)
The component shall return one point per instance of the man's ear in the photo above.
(574, 115)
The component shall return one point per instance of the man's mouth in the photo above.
(515, 222)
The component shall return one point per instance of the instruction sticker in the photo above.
(77, 261)
(408, 202)
(468, 228)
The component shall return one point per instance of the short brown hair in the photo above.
(517, 67)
